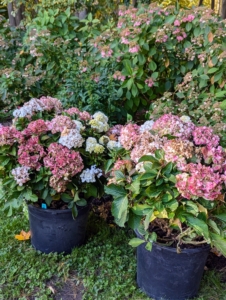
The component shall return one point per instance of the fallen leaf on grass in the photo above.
(23, 236)
(51, 289)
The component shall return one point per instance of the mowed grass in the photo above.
(104, 268)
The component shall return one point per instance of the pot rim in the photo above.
(56, 210)
(203, 248)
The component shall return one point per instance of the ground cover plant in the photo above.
(104, 268)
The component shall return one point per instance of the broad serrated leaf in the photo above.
(199, 225)
(219, 242)
(120, 210)
(115, 191)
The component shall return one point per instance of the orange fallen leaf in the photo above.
(23, 236)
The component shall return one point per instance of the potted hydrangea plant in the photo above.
(53, 159)
(168, 184)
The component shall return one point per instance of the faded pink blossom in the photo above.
(204, 136)
(30, 153)
(129, 135)
(173, 125)
(176, 23)
(149, 82)
(9, 135)
(63, 162)
(59, 123)
(36, 128)
(199, 181)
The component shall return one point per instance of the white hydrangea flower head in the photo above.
(90, 144)
(88, 175)
(146, 126)
(79, 125)
(101, 117)
(98, 125)
(185, 119)
(21, 175)
(98, 149)
(104, 139)
(113, 144)
(72, 140)
(28, 109)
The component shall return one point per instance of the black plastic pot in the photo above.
(163, 274)
(54, 230)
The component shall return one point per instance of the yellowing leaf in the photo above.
(56, 197)
(222, 84)
(212, 80)
(23, 236)
(210, 63)
(167, 63)
(163, 214)
(210, 37)
(202, 208)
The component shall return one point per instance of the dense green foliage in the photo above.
(169, 60)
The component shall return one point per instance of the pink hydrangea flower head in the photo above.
(49, 103)
(146, 144)
(149, 82)
(199, 181)
(60, 123)
(134, 48)
(178, 151)
(82, 115)
(30, 153)
(9, 135)
(215, 156)
(37, 127)
(63, 162)
(176, 23)
(204, 136)
(173, 125)
(129, 135)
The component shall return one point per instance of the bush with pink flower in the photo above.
(170, 180)
(53, 156)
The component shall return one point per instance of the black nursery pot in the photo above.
(55, 230)
(163, 274)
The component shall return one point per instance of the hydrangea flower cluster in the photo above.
(199, 181)
(58, 150)
(129, 135)
(71, 139)
(37, 127)
(30, 153)
(204, 136)
(35, 105)
(9, 135)
(21, 175)
(59, 123)
(93, 146)
(99, 122)
(195, 150)
(62, 162)
(88, 175)
(82, 115)
(173, 125)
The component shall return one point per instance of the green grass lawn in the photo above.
(104, 268)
